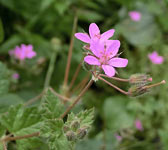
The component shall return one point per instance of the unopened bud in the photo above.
(81, 133)
(138, 78)
(71, 136)
(136, 90)
(66, 128)
(75, 125)
(56, 44)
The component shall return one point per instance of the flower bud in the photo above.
(56, 44)
(137, 90)
(81, 133)
(138, 78)
(66, 128)
(75, 125)
(71, 136)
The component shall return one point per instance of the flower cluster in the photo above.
(23, 52)
(103, 51)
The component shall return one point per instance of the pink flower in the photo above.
(135, 15)
(118, 137)
(15, 76)
(155, 58)
(95, 35)
(23, 52)
(28, 50)
(105, 56)
(138, 125)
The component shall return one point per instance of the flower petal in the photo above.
(91, 60)
(113, 48)
(118, 62)
(83, 37)
(106, 35)
(96, 48)
(31, 54)
(108, 43)
(109, 70)
(93, 30)
(30, 47)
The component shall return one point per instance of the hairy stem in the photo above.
(20, 137)
(115, 78)
(70, 50)
(114, 86)
(81, 84)
(4, 145)
(59, 95)
(75, 76)
(50, 69)
(77, 99)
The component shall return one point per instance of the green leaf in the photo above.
(141, 33)
(93, 16)
(1, 32)
(22, 7)
(2, 133)
(8, 100)
(62, 6)
(51, 106)
(4, 79)
(23, 121)
(85, 117)
(89, 144)
(77, 126)
(115, 113)
(10, 43)
(52, 131)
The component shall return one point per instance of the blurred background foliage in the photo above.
(38, 22)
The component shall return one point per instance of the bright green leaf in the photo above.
(23, 121)
(51, 106)
(52, 131)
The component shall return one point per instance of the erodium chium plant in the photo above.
(52, 124)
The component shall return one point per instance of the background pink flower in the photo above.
(15, 76)
(155, 58)
(118, 137)
(135, 15)
(138, 125)
(23, 52)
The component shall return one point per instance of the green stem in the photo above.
(50, 69)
